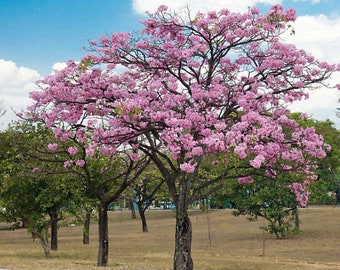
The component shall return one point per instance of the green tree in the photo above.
(328, 170)
(69, 177)
(31, 188)
(272, 199)
(104, 179)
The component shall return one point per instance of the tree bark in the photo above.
(54, 230)
(43, 241)
(86, 229)
(182, 256)
(103, 251)
(296, 219)
(141, 211)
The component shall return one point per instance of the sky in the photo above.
(38, 36)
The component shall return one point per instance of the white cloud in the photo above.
(58, 66)
(320, 36)
(141, 6)
(15, 85)
(322, 104)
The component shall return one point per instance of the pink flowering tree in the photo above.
(187, 88)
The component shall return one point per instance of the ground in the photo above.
(233, 243)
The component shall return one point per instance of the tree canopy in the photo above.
(189, 87)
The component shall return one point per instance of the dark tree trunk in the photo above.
(103, 252)
(86, 229)
(141, 211)
(54, 230)
(182, 256)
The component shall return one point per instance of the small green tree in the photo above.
(32, 190)
(104, 178)
(271, 199)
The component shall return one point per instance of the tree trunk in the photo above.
(133, 211)
(43, 241)
(141, 211)
(296, 218)
(103, 252)
(86, 229)
(182, 256)
(54, 230)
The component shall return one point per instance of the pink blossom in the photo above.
(52, 146)
(162, 8)
(93, 42)
(90, 152)
(72, 150)
(298, 69)
(241, 150)
(187, 167)
(254, 10)
(299, 84)
(257, 161)
(301, 193)
(290, 14)
(36, 170)
(68, 163)
(197, 151)
(80, 163)
(134, 156)
(57, 131)
(245, 180)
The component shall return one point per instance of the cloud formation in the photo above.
(320, 36)
(141, 6)
(58, 66)
(15, 85)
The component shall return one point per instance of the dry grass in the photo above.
(235, 244)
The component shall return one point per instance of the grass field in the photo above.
(234, 244)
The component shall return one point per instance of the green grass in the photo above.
(235, 244)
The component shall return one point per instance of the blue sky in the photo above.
(37, 34)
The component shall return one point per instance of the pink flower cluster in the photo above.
(213, 83)
(245, 180)
(72, 150)
(301, 193)
(52, 146)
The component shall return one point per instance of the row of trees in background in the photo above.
(200, 98)
(39, 187)
(39, 184)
